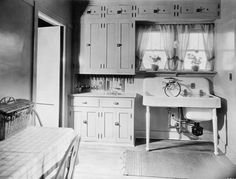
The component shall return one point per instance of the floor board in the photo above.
(105, 162)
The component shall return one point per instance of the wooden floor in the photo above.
(98, 161)
(102, 162)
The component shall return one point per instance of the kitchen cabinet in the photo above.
(196, 10)
(107, 48)
(124, 126)
(93, 12)
(107, 35)
(126, 47)
(153, 10)
(86, 123)
(205, 10)
(178, 10)
(104, 119)
(118, 11)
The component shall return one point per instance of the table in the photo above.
(33, 152)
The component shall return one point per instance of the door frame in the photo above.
(41, 15)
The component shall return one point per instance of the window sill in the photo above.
(188, 73)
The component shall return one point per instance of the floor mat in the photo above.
(174, 164)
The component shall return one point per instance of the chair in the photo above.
(67, 165)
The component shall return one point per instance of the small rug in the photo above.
(171, 164)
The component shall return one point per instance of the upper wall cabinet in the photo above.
(119, 11)
(107, 30)
(206, 10)
(107, 48)
(196, 10)
(153, 10)
(93, 12)
(177, 10)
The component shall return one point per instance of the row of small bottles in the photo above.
(105, 84)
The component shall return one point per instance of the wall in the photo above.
(17, 44)
(226, 64)
(61, 10)
(16, 48)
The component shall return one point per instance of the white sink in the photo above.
(195, 107)
(207, 101)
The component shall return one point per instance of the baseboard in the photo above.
(156, 134)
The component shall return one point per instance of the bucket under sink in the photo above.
(198, 114)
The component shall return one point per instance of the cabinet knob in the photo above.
(85, 122)
(116, 103)
(117, 123)
(88, 45)
(119, 45)
(85, 102)
(89, 12)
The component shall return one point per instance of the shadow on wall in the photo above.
(78, 10)
(159, 122)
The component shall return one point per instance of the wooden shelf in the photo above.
(150, 73)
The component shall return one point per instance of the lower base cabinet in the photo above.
(110, 120)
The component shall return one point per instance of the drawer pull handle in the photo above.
(85, 122)
(117, 123)
(116, 103)
(84, 102)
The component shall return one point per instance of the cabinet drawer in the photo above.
(117, 103)
(85, 101)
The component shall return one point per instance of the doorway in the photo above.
(49, 80)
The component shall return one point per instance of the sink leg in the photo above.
(215, 131)
(147, 127)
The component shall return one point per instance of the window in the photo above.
(195, 50)
(153, 51)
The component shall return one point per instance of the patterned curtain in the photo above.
(168, 35)
(183, 32)
(142, 42)
(208, 39)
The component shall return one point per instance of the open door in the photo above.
(48, 75)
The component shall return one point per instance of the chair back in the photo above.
(67, 165)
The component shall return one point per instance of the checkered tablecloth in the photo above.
(33, 152)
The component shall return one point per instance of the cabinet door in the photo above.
(111, 47)
(98, 44)
(90, 124)
(123, 126)
(118, 11)
(92, 12)
(92, 48)
(126, 45)
(153, 10)
(85, 123)
(84, 52)
(77, 118)
(206, 10)
(107, 125)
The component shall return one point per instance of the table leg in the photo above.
(147, 127)
(215, 131)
